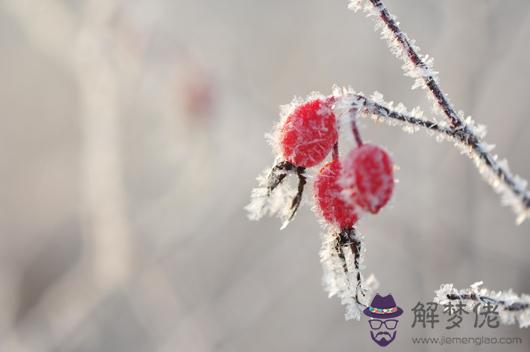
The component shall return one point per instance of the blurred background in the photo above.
(131, 135)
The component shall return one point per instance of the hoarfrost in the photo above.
(512, 308)
(263, 202)
(340, 276)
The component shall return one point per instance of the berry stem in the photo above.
(356, 250)
(335, 154)
(348, 238)
(355, 130)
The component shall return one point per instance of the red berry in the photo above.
(369, 173)
(329, 198)
(308, 133)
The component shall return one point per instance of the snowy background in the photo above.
(131, 135)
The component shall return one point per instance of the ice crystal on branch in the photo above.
(512, 309)
(418, 67)
(342, 262)
(264, 202)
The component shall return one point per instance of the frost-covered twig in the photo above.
(381, 111)
(341, 256)
(495, 172)
(512, 308)
(415, 65)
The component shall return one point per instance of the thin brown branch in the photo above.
(512, 307)
(415, 58)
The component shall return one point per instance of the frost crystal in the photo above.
(263, 202)
(418, 67)
(341, 276)
(285, 110)
(512, 308)
(356, 5)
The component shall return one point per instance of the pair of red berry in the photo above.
(343, 189)
(362, 182)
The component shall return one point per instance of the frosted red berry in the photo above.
(368, 172)
(308, 133)
(329, 198)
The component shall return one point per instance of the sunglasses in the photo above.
(390, 324)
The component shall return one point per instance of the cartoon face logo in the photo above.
(382, 313)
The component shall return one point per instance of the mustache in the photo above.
(380, 335)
